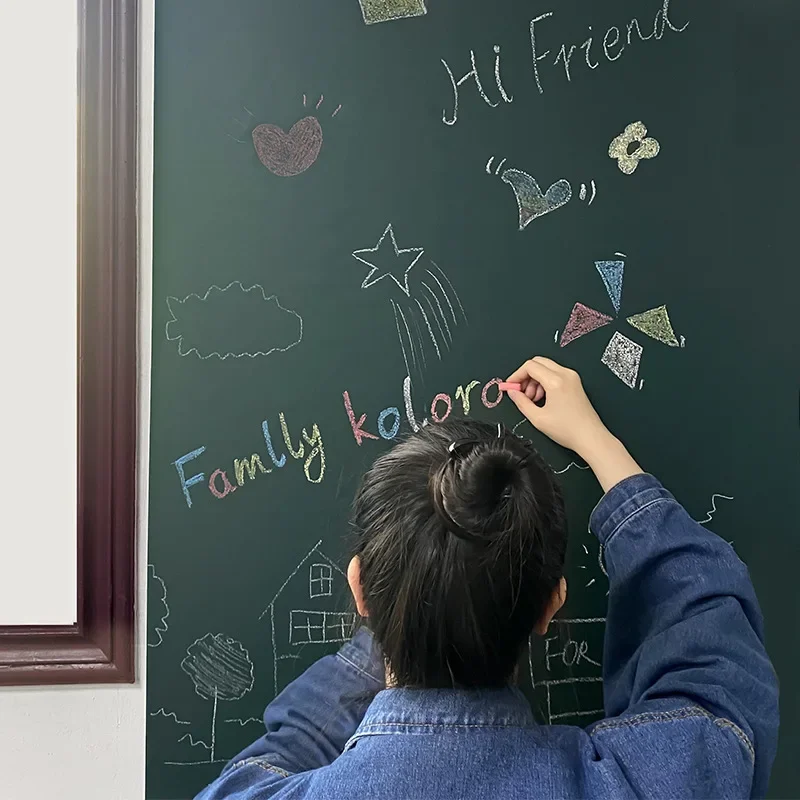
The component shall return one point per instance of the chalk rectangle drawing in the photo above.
(320, 627)
(388, 10)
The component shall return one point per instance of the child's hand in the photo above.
(553, 400)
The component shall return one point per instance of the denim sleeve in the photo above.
(683, 621)
(308, 723)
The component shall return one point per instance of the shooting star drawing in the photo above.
(427, 309)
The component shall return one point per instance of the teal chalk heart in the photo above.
(530, 199)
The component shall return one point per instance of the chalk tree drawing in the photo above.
(220, 669)
(622, 355)
(632, 147)
(286, 153)
(157, 608)
(317, 622)
(388, 10)
(232, 322)
(427, 308)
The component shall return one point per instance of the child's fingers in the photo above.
(528, 408)
(536, 370)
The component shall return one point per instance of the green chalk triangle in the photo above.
(656, 324)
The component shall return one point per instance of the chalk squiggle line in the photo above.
(204, 298)
(243, 722)
(710, 514)
(167, 714)
(569, 467)
(193, 743)
(165, 628)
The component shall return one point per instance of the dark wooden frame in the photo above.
(99, 648)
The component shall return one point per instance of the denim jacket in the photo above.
(691, 699)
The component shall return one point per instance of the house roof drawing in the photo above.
(315, 550)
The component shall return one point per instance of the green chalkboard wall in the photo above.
(358, 226)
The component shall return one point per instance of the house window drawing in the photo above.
(320, 580)
(308, 616)
(323, 627)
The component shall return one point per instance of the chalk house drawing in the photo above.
(312, 621)
(425, 304)
(232, 322)
(387, 10)
(157, 608)
(221, 669)
(622, 355)
(632, 147)
(286, 153)
(578, 664)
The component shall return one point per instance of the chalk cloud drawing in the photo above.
(622, 355)
(427, 309)
(286, 153)
(221, 669)
(387, 10)
(238, 321)
(632, 147)
(295, 624)
(157, 608)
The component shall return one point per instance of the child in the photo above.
(460, 555)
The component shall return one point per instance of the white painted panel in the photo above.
(38, 312)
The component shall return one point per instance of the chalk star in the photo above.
(400, 268)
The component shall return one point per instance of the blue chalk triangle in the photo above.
(612, 273)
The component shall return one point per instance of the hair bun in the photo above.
(477, 487)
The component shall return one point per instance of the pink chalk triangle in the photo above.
(583, 320)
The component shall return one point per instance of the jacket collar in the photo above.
(399, 709)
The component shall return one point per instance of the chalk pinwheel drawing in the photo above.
(221, 669)
(234, 321)
(622, 355)
(425, 304)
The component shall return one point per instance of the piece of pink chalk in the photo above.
(510, 387)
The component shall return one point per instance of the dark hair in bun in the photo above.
(461, 535)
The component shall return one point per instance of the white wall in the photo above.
(88, 743)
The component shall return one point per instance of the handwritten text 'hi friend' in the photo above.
(310, 448)
(614, 44)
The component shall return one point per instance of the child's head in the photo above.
(460, 550)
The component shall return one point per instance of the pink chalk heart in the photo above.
(288, 154)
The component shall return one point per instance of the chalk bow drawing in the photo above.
(632, 147)
(622, 355)
(157, 608)
(232, 322)
(387, 10)
(532, 202)
(220, 669)
(286, 153)
(427, 308)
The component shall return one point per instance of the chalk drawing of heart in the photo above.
(532, 203)
(288, 154)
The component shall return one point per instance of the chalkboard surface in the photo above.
(365, 212)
